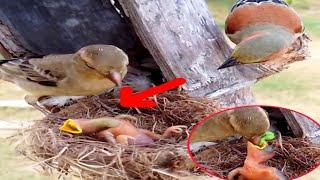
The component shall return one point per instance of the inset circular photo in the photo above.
(256, 142)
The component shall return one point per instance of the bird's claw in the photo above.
(174, 130)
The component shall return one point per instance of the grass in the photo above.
(13, 167)
(22, 114)
(297, 87)
(10, 91)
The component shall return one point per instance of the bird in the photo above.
(254, 168)
(249, 122)
(91, 70)
(118, 129)
(262, 30)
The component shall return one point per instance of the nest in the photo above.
(86, 157)
(294, 156)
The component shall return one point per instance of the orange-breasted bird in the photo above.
(262, 30)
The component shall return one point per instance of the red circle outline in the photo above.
(227, 109)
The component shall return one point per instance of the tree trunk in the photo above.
(181, 36)
(185, 42)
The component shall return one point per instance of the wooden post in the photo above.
(302, 126)
(185, 42)
(181, 36)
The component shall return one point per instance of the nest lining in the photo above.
(86, 157)
(294, 156)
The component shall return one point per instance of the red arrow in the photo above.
(139, 100)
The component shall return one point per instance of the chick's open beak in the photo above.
(115, 77)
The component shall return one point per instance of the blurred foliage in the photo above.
(13, 167)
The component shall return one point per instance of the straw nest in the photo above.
(294, 156)
(89, 158)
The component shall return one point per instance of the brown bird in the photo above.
(250, 122)
(90, 71)
(262, 30)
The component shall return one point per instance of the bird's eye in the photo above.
(89, 66)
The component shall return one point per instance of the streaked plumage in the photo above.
(91, 70)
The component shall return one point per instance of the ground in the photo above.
(297, 88)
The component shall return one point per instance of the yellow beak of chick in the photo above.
(71, 126)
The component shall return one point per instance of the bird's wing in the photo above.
(249, 12)
(47, 71)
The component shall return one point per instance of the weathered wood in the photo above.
(293, 122)
(4, 52)
(185, 42)
(181, 35)
(310, 128)
(298, 51)
(302, 126)
(45, 26)
(9, 43)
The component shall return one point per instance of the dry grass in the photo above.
(87, 157)
(294, 156)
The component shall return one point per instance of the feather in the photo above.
(25, 69)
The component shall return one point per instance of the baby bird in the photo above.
(250, 122)
(254, 168)
(262, 30)
(90, 71)
(117, 129)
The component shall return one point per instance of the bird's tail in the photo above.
(230, 62)
(2, 62)
(3, 70)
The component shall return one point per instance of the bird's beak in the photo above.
(255, 140)
(230, 62)
(115, 77)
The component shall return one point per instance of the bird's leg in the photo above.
(60, 101)
(107, 136)
(171, 131)
(33, 101)
(54, 103)
(150, 134)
